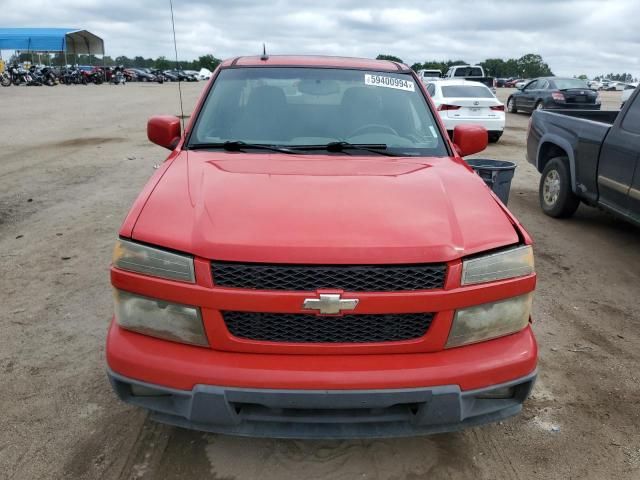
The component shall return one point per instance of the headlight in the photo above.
(139, 258)
(170, 321)
(490, 320)
(514, 262)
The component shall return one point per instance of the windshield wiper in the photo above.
(239, 146)
(379, 148)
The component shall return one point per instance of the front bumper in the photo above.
(322, 396)
(329, 414)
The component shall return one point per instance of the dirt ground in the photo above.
(72, 159)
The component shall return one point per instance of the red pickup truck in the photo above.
(315, 259)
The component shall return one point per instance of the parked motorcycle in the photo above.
(97, 76)
(73, 76)
(117, 76)
(5, 79)
(49, 76)
(21, 76)
(91, 76)
(43, 75)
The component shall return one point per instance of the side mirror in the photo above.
(470, 139)
(164, 130)
(521, 87)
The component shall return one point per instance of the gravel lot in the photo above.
(72, 159)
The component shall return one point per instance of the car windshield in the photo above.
(468, 72)
(466, 91)
(305, 107)
(566, 83)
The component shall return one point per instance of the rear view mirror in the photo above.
(164, 130)
(318, 87)
(470, 139)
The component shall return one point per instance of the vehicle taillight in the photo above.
(558, 96)
(498, 108)
(448, 107)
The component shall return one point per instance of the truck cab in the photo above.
(474, 73)
(429, 75)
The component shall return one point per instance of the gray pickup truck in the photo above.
(588, 156)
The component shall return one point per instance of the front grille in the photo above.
(304, 328)
(352, 278)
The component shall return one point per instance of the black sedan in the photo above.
(142, 75)
(553, 92)
(183, 76)
(170, 76)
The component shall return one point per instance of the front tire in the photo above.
(539, 105)
(556, 197)
(511, 105)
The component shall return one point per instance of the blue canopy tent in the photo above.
(67, 40)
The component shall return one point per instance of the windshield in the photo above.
(466, 91)
(316, 106)
(468, 72)
(565, 83)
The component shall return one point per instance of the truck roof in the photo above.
(315, 61)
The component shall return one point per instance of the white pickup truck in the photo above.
(429, 75)
(474, 73)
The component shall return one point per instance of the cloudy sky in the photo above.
(573, 36)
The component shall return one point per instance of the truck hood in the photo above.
(322, 209)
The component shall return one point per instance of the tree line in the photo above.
(160, 63)
(617, 77)
(530, 65)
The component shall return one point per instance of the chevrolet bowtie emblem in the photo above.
(330, 304)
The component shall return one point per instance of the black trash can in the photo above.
(495, 173)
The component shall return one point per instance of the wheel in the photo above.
(494, 137)
(556, 197)
(144, 79)
(511, 105)
(6, 81)
(539, 105)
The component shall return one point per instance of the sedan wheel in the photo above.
(539, 106)
(511, 105)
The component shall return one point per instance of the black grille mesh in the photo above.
(352, 278)
(304, 328)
